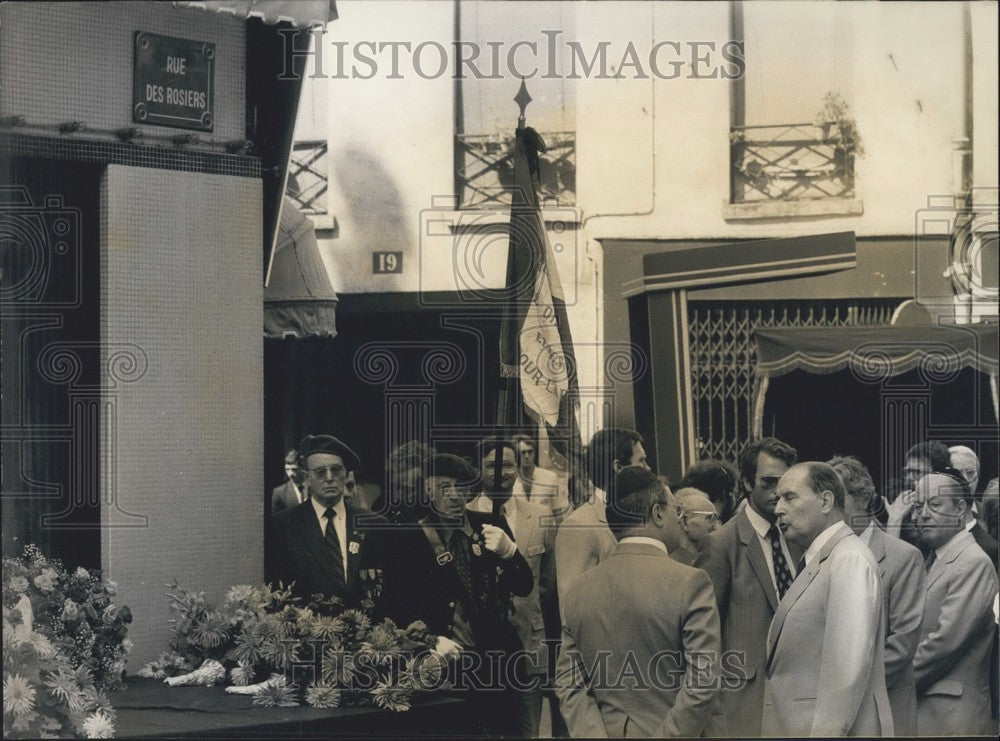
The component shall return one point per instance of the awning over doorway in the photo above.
(300, 13)
(299, 300)
(873, 353)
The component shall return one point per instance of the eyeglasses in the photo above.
(335, 471)
(712, 515)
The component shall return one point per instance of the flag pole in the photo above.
(504, 411)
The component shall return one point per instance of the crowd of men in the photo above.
(782, 599)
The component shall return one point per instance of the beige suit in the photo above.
(583, 541)
(901, 568)
(953, 657)
(826, 666)
(630, 626)
(733, 558)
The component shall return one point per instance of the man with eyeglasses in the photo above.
(698, 518)
(326, 545)
(751, 567)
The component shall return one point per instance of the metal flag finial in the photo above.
(522, 99)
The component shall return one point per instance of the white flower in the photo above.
(98, 725)
(82, 572)
(46, 580)
(19, 584)
(354, 547)
(18, 695)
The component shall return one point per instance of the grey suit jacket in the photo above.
(826, 648)
(733, 558)
(582, 542)
(630, 626)
(953, 658)
(901, 568)
(283, 497)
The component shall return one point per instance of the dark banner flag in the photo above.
(536, 349)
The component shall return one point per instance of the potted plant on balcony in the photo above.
(840, 130)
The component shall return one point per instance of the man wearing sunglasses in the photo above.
(322, 545)
(698, 518)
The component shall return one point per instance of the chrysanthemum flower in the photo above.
(338, 668)
(327, 627)
(62, 684)
(278, 694)
(211, 631)
(391, 697)
(242, 674)
(98, 725)
(382, 644)
(18, 695)
(323, 696)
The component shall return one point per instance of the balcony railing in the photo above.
(789, 162)
(307, 176)
(487, 169)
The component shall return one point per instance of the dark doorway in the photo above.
(388, 349)
(50, 357)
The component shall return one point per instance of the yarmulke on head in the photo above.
(631, 496)
(312, 444)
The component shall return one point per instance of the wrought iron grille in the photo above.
(723, 356)
(307, 176)
(487, 169)
(790, 162)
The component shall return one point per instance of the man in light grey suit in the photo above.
(901, 568)
(953, 658)
(640, 653)
(751, 566)
(825, 649)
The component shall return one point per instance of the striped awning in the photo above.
(300, 13)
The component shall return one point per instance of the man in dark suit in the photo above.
(826, 645)
(953, 658)
(641, 649)
(325, 545)
(751, 567)
(291, 493)
(458, 570)
(901, 568)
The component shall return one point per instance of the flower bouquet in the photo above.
(64, 644)
(282, 652)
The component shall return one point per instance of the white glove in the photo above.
(496, 539)
(447, 647)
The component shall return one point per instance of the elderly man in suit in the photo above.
(698, 518)
(291, 493)
(952, 662)
(641, 649)
(825, 648)
(457, 570)
(750, 565)
(534, 532)
(901, 568)
(325, 545)
(584, 539)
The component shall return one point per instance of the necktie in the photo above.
(800, 567)
(459, 547)
(929, 560)
(333, 545)
(782, 574)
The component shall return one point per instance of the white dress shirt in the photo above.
(339, 524)
(483, 503)
(645, 541)
(761, 527)
(821, 540)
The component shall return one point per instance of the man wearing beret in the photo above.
(325, 545)
(457, 570)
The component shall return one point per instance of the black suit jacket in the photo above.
(986, 542)
(416, 587)
(296, 552)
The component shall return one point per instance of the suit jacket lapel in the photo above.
(877, 546)
(755, 555)
(312, 535)
(952, 551)
(801, 583)
(527, 528)
(354, 536)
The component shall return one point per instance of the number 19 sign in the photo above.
(387, 262)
